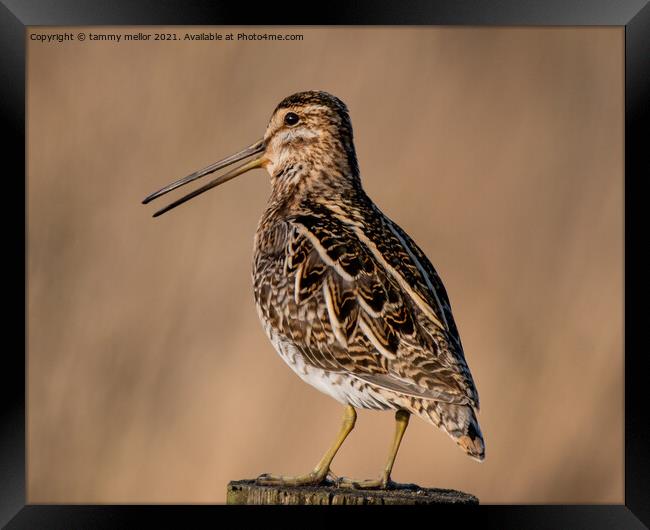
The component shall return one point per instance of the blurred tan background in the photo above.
(500, 150)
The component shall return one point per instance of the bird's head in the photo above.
(312, 129)
(309, 133)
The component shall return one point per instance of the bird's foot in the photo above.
(378, 484)
(332, 480)
(310, 479)
(382, 483)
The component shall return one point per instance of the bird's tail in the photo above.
(459, 422)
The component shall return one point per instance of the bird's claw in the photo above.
(310, 479)
(383, 483)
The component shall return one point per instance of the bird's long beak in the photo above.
(256, 148)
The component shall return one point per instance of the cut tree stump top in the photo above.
(247, 492)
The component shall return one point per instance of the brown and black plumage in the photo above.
(347, 298)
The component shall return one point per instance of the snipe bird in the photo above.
(346, 297)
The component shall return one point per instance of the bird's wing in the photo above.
(392, 327)
(427, 280)
(410, 263)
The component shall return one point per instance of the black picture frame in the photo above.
(633, 15)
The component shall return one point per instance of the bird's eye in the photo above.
(291, 118)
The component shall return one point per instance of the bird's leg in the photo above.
(384, 482)
(322, 469)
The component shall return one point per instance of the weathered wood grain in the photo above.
(247, 492)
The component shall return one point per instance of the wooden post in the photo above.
(247, 492)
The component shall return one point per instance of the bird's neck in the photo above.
(304, 178)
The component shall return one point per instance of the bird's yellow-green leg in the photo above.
(401, 422)
(322, 469)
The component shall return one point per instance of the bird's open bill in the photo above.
(251, 150)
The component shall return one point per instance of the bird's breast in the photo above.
(271, 284)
